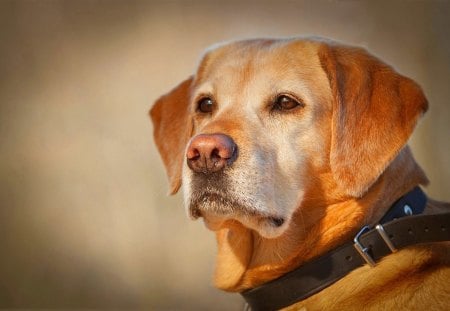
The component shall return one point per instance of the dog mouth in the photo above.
(217, 199)
(222, 205)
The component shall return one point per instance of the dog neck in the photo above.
(325, 220)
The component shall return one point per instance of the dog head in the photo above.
(263, 122)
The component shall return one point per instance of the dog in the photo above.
(286, 148)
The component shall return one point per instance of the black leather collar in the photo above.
(394, 231)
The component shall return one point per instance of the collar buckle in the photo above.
(363, 251)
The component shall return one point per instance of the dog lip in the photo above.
(195, 213)
(276, 221)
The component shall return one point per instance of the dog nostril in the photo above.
(193, 154)
(215, 154)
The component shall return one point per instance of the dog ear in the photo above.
(172, 128)
(375, 110)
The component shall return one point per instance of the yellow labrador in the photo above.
(286, 149)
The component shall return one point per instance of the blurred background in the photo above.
(85, 221)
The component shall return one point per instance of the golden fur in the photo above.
(327, 169)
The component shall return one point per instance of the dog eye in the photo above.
(284, 102)
(205, 105)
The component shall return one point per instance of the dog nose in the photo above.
(208, 153)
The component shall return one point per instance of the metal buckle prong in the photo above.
(386, 238)
(363, 251)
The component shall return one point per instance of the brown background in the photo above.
(84, 216)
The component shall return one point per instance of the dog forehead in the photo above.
(249, 57)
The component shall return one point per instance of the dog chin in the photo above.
(220, 212)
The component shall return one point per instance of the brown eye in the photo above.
(205, 105)
(284, 103)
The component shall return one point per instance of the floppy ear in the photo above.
(172, 128)
(375, 110)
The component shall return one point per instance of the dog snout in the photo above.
(208, 153)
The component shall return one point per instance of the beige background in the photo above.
(84, 216)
